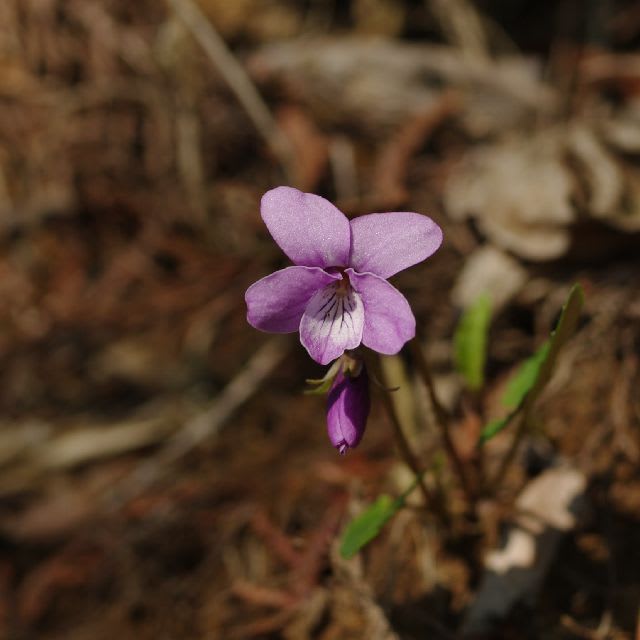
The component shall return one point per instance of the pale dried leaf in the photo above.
(623, 131)
(549, 506)
(628, 218)
(376, 84)
(599, 171)
(491, 270)
(519, 191)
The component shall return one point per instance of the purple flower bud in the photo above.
(347, 410)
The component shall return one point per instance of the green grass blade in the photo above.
(533, 375)
(366, 527)
(470, 342)
(525, 377)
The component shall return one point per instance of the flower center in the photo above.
(342, 286)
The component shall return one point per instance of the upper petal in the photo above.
(332, 323)
(308, 228)
(388, 319)
(276, 302)
(385, 243)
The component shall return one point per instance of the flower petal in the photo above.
(348, 407)
(385, 243)
(332, 322)
(308, 228)
(388, 319)
(276, 302)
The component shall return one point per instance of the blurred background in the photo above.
(161, 473)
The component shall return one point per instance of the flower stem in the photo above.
(442, 420)
(405, 448)
(401, 439)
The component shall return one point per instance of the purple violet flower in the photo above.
(337, 294)
(348, 407)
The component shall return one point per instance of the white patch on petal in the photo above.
(332, 322)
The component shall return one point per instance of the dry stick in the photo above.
(204, 425)
(442, 420)
(237, 79)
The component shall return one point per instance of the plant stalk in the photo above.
(510, 455)
(401, 439)
(442, 420)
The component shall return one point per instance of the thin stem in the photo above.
(442, 420)
(510, 455)
(405, 449)
(400, 437)
(479, 458)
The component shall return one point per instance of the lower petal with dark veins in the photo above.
(332, 322)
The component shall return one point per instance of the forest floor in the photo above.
(162, 474)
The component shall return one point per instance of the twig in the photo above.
(207, 423)
(442, 420)
(237, 79)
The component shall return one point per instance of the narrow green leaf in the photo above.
(494, 427)
(365, 527)
(565, 328)
(535, 372)
(470, 342)
(525, 377)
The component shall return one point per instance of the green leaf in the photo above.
(565, 328)
(535, 372)
(365, 527)
(494, 427)
(470, 342)
(525, 377)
